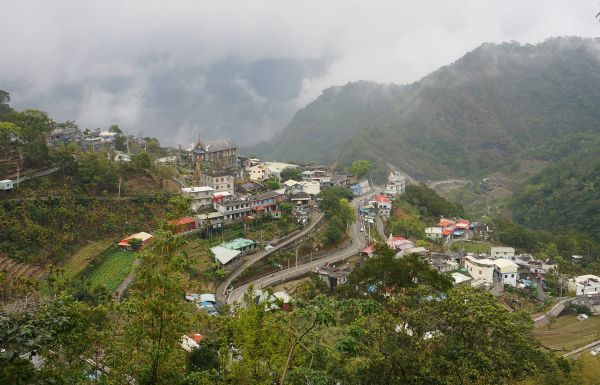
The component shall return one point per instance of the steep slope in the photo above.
(320, 129)
(565, 195)
(465, 119)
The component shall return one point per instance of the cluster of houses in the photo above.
(587, 291)
(457, 228)
(88, 140)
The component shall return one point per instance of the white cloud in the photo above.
(85, 44)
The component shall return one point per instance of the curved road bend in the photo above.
(315, 217)
(358, 242)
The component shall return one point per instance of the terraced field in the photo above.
(14, 269)
(201, 261)
(113, 270)
(81, 259)
(568, 333)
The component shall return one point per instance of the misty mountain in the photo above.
(177, 102)
(466, 119)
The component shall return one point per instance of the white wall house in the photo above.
(585, 284)
(434, 233)
(258, 172)
(503, 252)
(480, 269)
(6, 184)
(219, 182)
(396, 184)
(506, 271)
(201, 196)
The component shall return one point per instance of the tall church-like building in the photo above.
(215, 164)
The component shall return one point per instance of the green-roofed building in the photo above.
(240, 244)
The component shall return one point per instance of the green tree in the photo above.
(292, 173)
(360, 168)
(408, 226)
(272, 184)
(141, 161)
(115, 128)
(95, 172)
(384, 274)
(120, 142)
(179, 206)
(4, 100)
(34, 125)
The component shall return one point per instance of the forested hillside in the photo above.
(466, 119)
(566, 195)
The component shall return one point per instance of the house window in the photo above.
(479, 272)
(512, 275)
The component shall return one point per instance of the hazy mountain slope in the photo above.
(565, 195)
(321, 128)
(464, 119)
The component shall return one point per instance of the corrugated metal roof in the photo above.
(224, 255)
(238, 243)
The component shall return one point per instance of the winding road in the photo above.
(357, 243)
(315, 218)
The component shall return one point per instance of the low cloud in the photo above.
(241, 69)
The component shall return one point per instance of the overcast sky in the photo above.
(241, 69)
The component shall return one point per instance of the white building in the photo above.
(434, 233)
(396, 184)
(506, 271)
(480, 269)
(219, 181)
(503, 252)
(6, 184)
(201, 196)
(122, 157)
(311, 187)
(585, 284)
(382, 204)
(275, 168)
(258, 172)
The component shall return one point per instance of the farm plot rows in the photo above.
(113, 270)
(81, 259)
(13, 270)
(568, 333)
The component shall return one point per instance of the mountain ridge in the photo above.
(464, 119)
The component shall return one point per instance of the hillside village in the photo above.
(261, 231)
(225, 188)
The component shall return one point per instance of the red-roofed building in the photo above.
(447, 231)
(368, 250)
(184, 225)
(445, 222)
(462, 224)
(191, 341)
(382, 204)
(399, 243)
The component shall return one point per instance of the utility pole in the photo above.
(119, 187)
(296, 257)
(18, 174)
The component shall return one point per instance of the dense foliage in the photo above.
(334, 202)
(40, 230)
(411, 332)
(564, 196)
(429, 203)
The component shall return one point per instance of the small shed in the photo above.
(224, 255)
(142, 236)
(6, 184)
